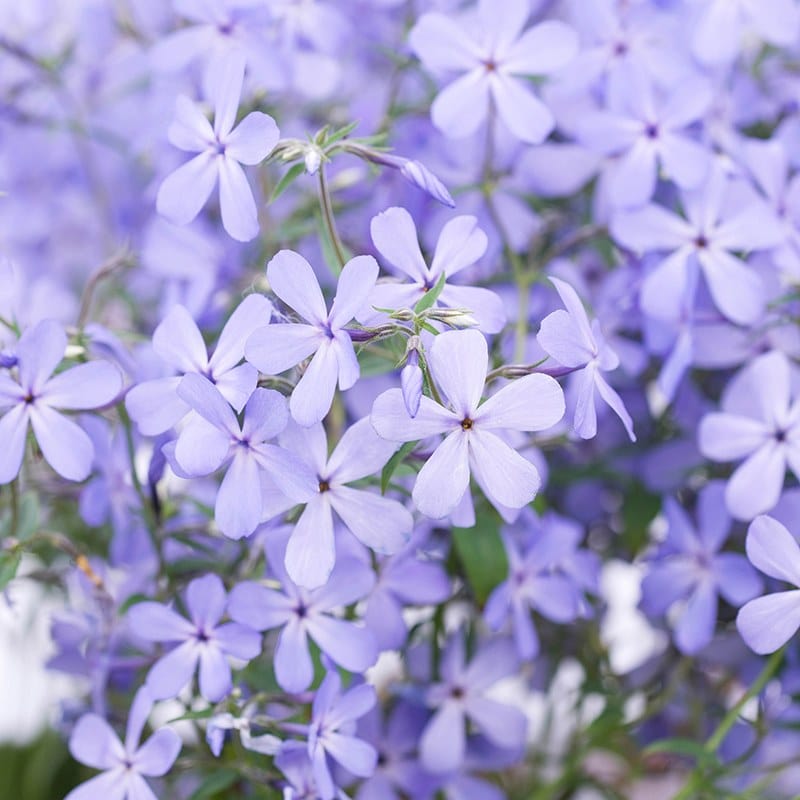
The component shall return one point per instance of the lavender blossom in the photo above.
(493, 56)
(461, 243)
(222, 149)
(125, 766)
(303, 614)
(310, 554)
(691, 572)
(36, 395)
(458, 361)
(760, 423)
(768, 622)
(461, 695)
(571, 340)
(155, 405)
(216, 438)
(276, 348)
(201, 641)
(331, 732)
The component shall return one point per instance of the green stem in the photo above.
(327, 215)
(696, 780)
(149, 516)
(773, 662)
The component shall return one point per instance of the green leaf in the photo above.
(132, 601)
(9, 564)
(337, 136)
(28, 519)
(681, 747)
(216, 783)
(205, 713)
(287, 180)
(482, 555)
(638, 511)
(393, 463)
(431, 296)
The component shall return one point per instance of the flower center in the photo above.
(324, 486)
(466, 424)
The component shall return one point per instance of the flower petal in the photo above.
(291, 278)
(531, 403)
(391, 420)
(253, 139)
(444, 479)
(86, 386)
(310, 554)
(458, 361)
(185, 191)
(155, 757)
(504, 475)
(768, 622)
(355, 284)
(13, 430)
(773, 550)
(359, 511)
(93, 742)
(395, 238)
(65, 446)
(238, 208)
(461, 107)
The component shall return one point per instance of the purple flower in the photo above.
(458, 361)
(216, 438)
(461, 696)
(493, 55)
(647, 133)
(276, 348)
(222, 149)
(690, 572)
(125, 766)
(760, 423)
(35, 396)
(310, 555)
(718, 33)
(568, 337)
(303, 614)
(713, 230)
(768, 622)
(398, 772)
(411, 380)
(155, 405)
(461, 243)
(403, 580)
(537, 582)
(331, 732)
(200, 640)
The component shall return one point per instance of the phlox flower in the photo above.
(458, 362)
(278, 347)
(461, 243)
(493, 54)
(221, 151)
(201, 641)
(37, 395)
(768, 622)
(125, 766)
(569, 338)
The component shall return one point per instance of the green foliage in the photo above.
(431, 296)
(481, 554)
(42, 770)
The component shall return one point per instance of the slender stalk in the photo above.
(120, 259)
(327, 215)
(696, 779)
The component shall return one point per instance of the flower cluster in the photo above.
(350, 455)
